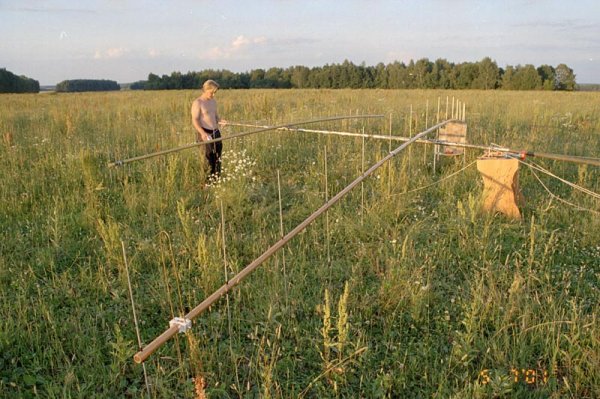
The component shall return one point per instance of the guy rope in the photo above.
(181, 324)
(262, 129)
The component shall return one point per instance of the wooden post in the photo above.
(501, 191)
(436, 148)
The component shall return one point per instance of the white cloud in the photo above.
(237, 48)
(240, 42)
(111, 53)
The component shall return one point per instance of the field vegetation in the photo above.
(404, 289)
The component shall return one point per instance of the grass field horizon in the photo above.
(403, 289)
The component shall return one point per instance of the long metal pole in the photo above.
(263, 129)
(168, 334)
(522, 154)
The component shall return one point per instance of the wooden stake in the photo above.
(389, 165)
(426, 126)
(362, 184)
(229, 323)
(135, 322)
(327, 213)
(168, 286)
(436, 148)
(446, 117)
(464, 118)
(285, 281)
(410, 137)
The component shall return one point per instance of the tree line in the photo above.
(11, 83)
(420, 74)
(79, 85)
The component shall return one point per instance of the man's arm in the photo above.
(220, 121)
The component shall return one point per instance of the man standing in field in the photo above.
(205, 119)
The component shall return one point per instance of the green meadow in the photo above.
(403, 289)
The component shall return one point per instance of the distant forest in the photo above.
(11, 83)
(79, 85)
(422, 74)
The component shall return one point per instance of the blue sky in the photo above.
(125, 40)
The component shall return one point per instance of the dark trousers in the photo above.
(213, 151)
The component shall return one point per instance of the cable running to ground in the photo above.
(575, 206)
(436, 182)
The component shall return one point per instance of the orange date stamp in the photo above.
(525, 376)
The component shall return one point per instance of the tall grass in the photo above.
(421, 295)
